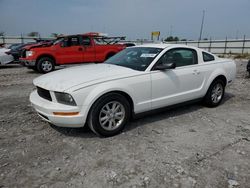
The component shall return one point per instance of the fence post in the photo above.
(3, 39)
(210, 44)
(225, 49)
(22, 38)
(243, 46)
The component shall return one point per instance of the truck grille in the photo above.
(44, 93)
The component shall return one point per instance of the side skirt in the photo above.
(155, 111)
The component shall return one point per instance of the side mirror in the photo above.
(165, 66)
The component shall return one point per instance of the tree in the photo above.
(171, 38)
(2, 33)
(176, 39)
(55, 35)
(33, 34)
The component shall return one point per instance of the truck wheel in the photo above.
(215, 93)
(109, 115)
(45, 65)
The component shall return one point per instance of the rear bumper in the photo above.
(28, 63)
(46, 108)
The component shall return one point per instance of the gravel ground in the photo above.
(190, 146)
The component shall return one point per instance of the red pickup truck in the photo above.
(81, 48)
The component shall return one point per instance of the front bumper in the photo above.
(28, 63)
(46, 108)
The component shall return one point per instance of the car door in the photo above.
(88, 49)
(70, 50)
(180, 84)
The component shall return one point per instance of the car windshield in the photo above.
(137, 58)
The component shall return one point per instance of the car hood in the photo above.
(82, 76)
(2, 50)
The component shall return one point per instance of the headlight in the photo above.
(65, 98)
(29, 53)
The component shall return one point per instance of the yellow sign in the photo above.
(156, 33)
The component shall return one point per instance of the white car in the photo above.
(4, 57)
(136, 80)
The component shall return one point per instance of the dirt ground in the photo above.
(190, 146)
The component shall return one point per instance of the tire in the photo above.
(104, 120)
(215, 93)
(45, 65)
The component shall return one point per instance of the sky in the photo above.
(135, 19)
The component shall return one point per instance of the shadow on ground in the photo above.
(85, 132)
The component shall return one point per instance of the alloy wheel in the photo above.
(217, 92)
(47, 66)
(112, 115)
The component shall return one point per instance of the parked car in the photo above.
(16, 50)
(248, 67)
(5, 58)
(84, 48)
(13, 45)
(136, 80)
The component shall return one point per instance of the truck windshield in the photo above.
(57, 41)
(137, 58)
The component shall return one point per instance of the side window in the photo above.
(179, 56)
(207, 57)
(86, 41)
(75, 41)
(71, 41)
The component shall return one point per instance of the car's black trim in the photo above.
(165, 108)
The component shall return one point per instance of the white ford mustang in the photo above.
(136, 80)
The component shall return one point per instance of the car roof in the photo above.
(164, 45)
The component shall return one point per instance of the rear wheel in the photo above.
(215, 93)
(109, 115)
(45, 65)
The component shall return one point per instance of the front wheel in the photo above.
(109, 115)
(215, 93)
(45, 65)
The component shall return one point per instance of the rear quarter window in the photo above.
(207, 57)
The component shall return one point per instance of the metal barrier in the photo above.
(237, 46)
(227, 46)
(19, 39)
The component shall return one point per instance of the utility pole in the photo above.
(202, 23)
(171, 30)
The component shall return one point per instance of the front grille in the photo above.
(44, 93)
